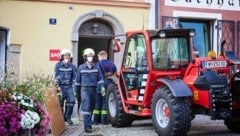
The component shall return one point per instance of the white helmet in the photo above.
(65, 51)
(88, 51)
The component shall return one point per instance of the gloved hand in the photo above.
(58, 88)
(103, 91)
(59, 92)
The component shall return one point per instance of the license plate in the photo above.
(214, 64)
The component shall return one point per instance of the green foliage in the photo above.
(23, 97)
(31, 86)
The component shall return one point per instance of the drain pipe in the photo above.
(157, 14)
(154, 14)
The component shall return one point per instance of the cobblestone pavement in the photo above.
(201, 126)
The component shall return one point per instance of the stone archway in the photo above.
(97, 14)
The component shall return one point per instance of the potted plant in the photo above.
(22, 107)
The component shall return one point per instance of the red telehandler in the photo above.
(162, 77)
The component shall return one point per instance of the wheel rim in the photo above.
(112, 105)
(162, 113)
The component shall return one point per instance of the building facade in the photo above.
(32, 33)
(216, 22)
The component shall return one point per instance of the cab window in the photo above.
(170, 53)
(135, 55)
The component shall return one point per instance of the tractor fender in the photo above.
(177, 87)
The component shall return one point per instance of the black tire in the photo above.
(116, 114)
(175, 113)
(233, 125)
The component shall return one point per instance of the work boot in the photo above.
(69, 114)
(104, 119)
(69, 121)
(96, 119)
(88, 130)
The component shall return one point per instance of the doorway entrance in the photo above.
(201, 40)
(96, 34)
(96, 29)
(97, 44)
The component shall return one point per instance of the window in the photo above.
(2, 52)
(135, 55)
(170, 53)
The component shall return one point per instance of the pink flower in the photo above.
(9, 119)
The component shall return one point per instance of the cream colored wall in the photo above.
(29, 26)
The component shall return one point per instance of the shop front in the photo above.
(216, 22)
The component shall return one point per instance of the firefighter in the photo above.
(88, 77)
(108, 69)
(65, 75)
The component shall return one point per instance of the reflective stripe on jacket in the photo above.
(89, 77)
(65, 74)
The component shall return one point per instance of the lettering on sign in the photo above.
(209, 4)
(54, 54)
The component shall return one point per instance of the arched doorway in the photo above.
(96, 30)
(96, 34)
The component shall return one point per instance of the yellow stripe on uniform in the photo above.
(96, 111)
(104, 112)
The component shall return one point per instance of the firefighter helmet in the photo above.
(88, 51)
(65, 51)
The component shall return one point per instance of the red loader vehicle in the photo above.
(162, 78)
